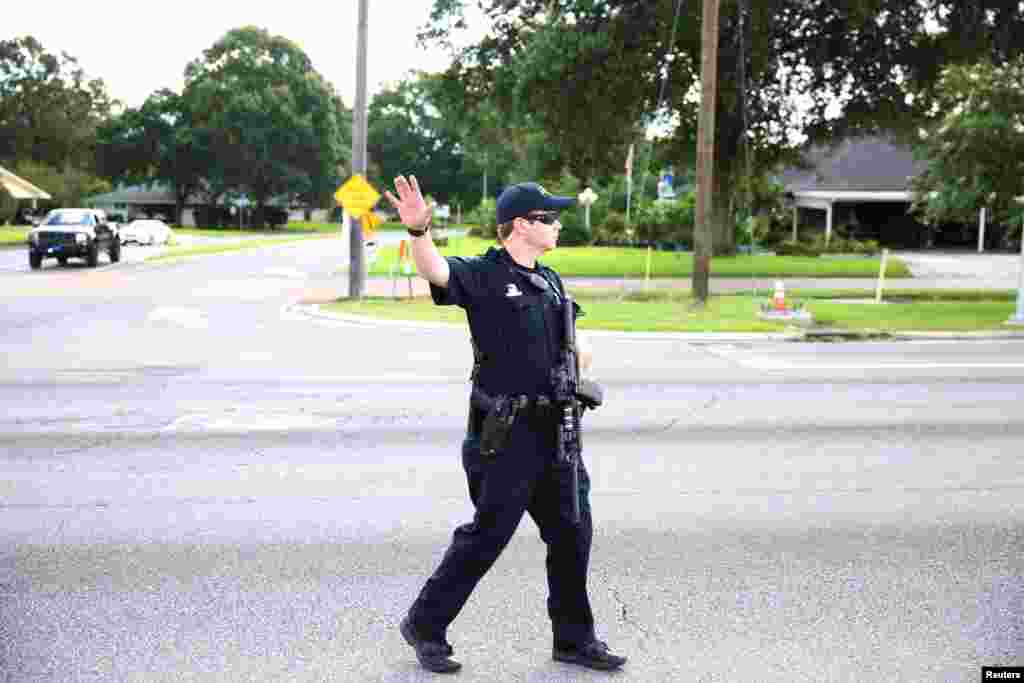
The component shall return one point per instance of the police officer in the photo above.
(514, 308)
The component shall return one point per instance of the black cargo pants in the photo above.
(525, 477)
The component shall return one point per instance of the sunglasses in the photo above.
(545, 218)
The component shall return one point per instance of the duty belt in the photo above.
(537, 407)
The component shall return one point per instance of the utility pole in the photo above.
(703, 233)
(357, 256)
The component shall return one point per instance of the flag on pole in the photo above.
(629, 162)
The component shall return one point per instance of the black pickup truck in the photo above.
(74, 233)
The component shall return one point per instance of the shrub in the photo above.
(8, 207)
(759, 228)
(612, 230)
(574, 228)
(776, 234)
(791, 248)
(483, 217)
(665, 222)
(838, 245)
(868, 247)
(214, 216)
(271, 216)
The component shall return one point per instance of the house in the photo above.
(862, 185)
(156, 200)
(144, 201)
(19, 188)
(13, 191)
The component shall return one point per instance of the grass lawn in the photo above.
(10, 237)
(632, 262)
(568, 261)
(179, 251)
(667, 311)
(895, 295)
(292, 229)
(387, 226)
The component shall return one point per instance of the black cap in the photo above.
(518, 201)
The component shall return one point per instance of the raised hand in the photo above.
(414, 211)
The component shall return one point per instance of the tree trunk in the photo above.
(179, 207)
(722, 217)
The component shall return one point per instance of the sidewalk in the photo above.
(931, 271)
(323, 292)
(377, 286)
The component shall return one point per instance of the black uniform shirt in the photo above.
(516, 323)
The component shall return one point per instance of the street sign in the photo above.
(357, 196)
(370, 223)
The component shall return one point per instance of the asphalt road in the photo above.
(202, 482)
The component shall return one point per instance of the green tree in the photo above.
(49, 107)
(497, 131)
(154, 142)
(414, 129)
(273, 126)
(975, 150)
(591, 72)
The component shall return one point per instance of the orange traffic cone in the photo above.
(779, 298)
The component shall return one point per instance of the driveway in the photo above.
(996, 271)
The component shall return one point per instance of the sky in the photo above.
(138, 48)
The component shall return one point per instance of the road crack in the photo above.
(624, 613)
(709, 404)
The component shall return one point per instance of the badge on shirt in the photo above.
(511, 290)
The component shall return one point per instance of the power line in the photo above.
(661, 93)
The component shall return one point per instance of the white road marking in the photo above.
(459, 377)
(249, 423)
(801, 364)
(252, 289)
(190, 318)
(256, 356)
(423, 356)
(93, 376)
(290, 273)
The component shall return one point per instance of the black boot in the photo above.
(593, 655)
(434, 655)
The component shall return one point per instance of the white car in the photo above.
(146, 231)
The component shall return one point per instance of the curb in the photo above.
(907, 335)
(316, 311)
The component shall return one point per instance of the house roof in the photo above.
(19, 188)
(136, 194)
(158, 194)
(858, 165)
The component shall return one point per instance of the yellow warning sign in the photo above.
(370, 223)
(357, 196)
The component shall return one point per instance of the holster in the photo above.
(497, 426)
(590, 393)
